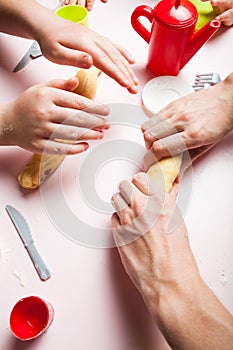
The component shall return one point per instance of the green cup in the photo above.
(74, 13)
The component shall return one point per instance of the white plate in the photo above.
(158, 92)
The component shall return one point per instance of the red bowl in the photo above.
(30, 317)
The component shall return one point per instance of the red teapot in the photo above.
(173, 40)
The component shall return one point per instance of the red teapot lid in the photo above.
(179, 13)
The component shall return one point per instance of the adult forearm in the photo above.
(161, 265)
(191, 317)
(21, 18)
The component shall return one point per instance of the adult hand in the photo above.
(148, 240)
(86, 3)
(68, 43)
(51, 117)
(161, 265)
(194, 122)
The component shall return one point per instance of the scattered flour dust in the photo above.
(19, 278)
(223, 279)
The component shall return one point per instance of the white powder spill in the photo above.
(223, 279)
(19, 278)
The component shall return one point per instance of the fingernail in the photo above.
(84, 145)
(106, 126)
(131, 58)
(133, 89)
(86, 63)
(126, 82)
(147, 136)
(136, 81)
(106, 110)
(101, 135)
(139, 176)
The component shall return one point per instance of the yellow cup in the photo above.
(74, 13)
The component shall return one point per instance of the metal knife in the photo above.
(25, 234)
(33, 52)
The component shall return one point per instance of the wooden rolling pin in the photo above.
(169, 168)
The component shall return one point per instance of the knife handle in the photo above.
(35, 50)
(39, 264)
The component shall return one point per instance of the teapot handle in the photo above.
(142, 11)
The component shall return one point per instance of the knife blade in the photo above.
(33, 52)
(24, 232)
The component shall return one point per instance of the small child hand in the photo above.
(50, 117)
(86, 3)
(225, 10)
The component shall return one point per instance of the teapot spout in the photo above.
(199, 38)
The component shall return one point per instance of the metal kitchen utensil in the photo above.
(205, 80)
(25, 234)
(198, 87)
(32, 53)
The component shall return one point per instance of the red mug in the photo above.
(173, 39)
(30, 317)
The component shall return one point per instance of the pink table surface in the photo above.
(96, 305)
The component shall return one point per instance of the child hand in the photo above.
(86, 3)
(68, 43)
(50, 117)
(225, 9)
